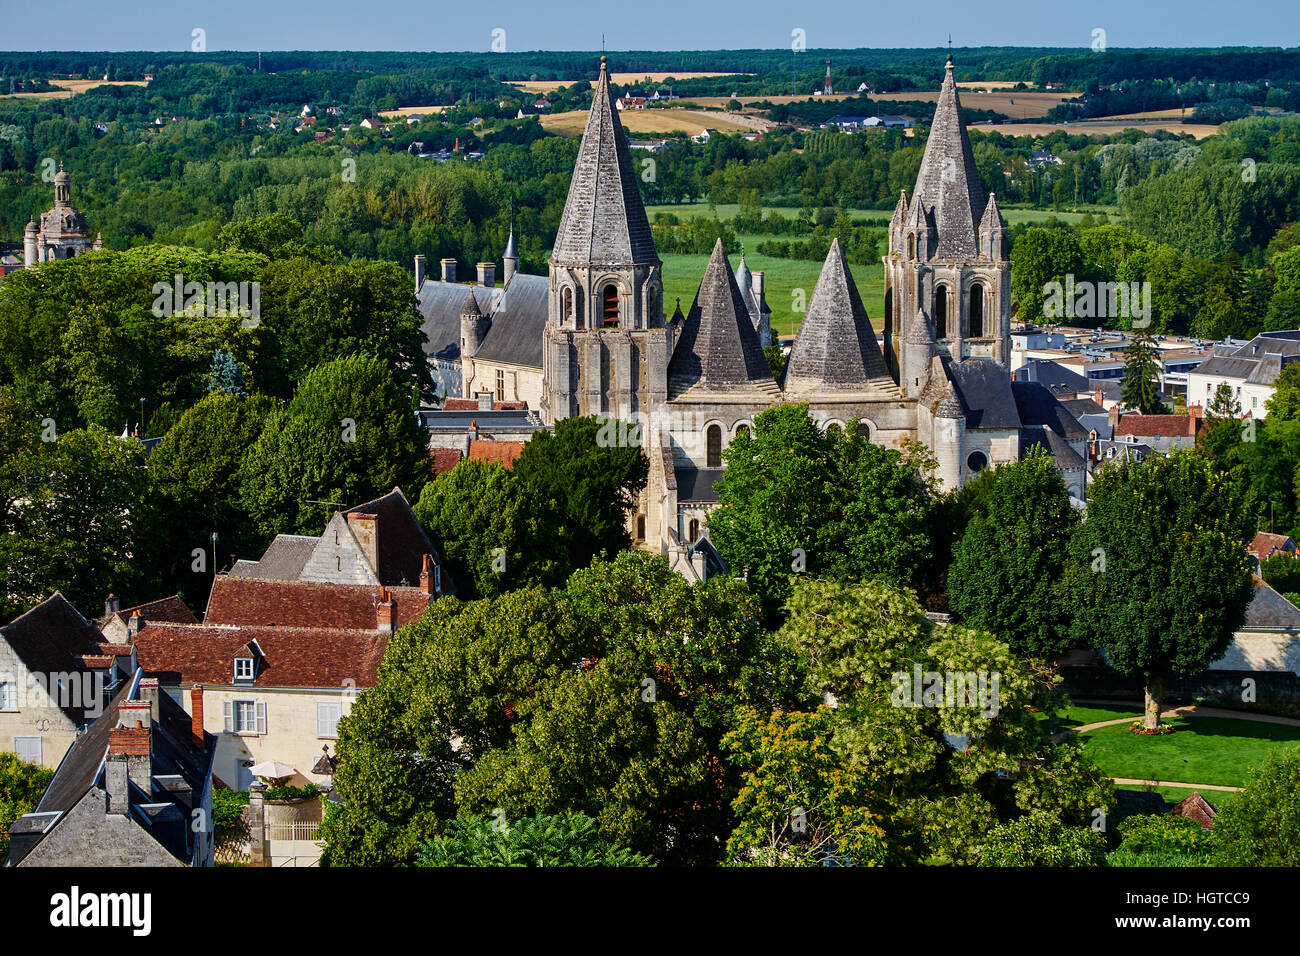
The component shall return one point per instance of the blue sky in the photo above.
(660, 24)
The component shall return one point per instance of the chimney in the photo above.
(485, 401)
(196, 715)
(473, 431)
(384, 612)
(426, 575)
(419, 273)
(1114, 417)
(149, 694)
(448, 270)
(129, 741)
(117, 783)
(112, 605)
(134, 625)
(1099, 397)
(487, 274)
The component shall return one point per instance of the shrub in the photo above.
(1040, 840)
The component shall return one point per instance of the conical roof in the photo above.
(719, 350)
(948, 185)
(511, 252)
(471, 309)
(604, 221)
(835, 349)
(992, 218)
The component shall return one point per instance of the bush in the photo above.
(569, 839)
(1163, 833)
(1040, 840)
(1260, 825)
(285, 792)
(227, 805)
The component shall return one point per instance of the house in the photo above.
(1042, 158)
(57, 673)
(1162, 432)
(1266, 545)
(525, 111)
(850, 123)
(703, 135)
(116, 624)
(9, 263)
(649, 145)
(1270, 638)
(893, 121)
(543, 104)
(371, 123)
(628, 102)
(134, 790)
(1249, 370)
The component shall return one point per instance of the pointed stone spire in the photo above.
(900, 211)
(921, 332)
(992, 218)
(948, 185)
(940, 396)
(471, 309)
(604, 220)
(510, 259)
(835, 349)
(719, 350)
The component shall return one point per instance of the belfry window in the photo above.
(713, 447)
(609, 306)
(566, 305)
(976, 311)
(941, 312)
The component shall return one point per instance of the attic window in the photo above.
(243, 668)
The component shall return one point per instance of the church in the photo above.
(591, 337)
(62, 233)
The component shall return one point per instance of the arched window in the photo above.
(713, 447)
(609, 306)
(977, 462)
(693, 530)
(911, 245)
(566, 300)
(976, 311)
(640, 527)
(941, 311)
(889, 314)
(742, 430)
(863, 430)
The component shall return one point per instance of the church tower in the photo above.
(948, 274)
(606, 344)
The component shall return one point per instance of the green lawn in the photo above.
(682, 273)
(1214, 750)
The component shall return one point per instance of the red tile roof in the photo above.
(1158, 426)
(1267, 544)
(1197, 808)
(53, 638)
(402, 542)
(504, 453)
(292, 656)
(254, 603)
(164, 609)
(443, 460)
(471, 405)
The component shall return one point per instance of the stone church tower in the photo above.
(948, 273)
(63, 233)
(606, 344)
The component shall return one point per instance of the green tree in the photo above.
(225, 375)
(795, 499)
(1159, 568)
(347, 436)
(1038, 840)
(21, 787)
(565, 839)
(1140, 386)
(1260, 825)
(1008, 566)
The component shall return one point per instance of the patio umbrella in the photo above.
(272, 770)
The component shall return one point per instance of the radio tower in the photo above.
(827, 90)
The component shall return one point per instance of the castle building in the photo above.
(696, 380)
(62, 233)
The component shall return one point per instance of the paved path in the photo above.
(1172, 783)
(1194, 710)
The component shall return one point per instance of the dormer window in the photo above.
(243, 668)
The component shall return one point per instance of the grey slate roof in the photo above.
(1038, 406)
(517, 317)
(985, 393)
(948, 187)
(283, 559)
(435, 419)
(1040, 436)
(835, 348)
(719, 349)
(604, 221)
(1270, 610)
(1056, 377)
(51, 639)
(696, 484)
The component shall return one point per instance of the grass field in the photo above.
(691, 122)
(1216, 750)
(69, 88)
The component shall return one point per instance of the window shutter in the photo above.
(322, 715)
(261, 717)
(228, 717)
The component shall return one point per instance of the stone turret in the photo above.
(510, 261)
(918, 356)
(473, 326)
(30, 249)
(948, 428)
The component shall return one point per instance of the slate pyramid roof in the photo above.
(604, 221)
(948, 185)
(719, 351)
(835, 349)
